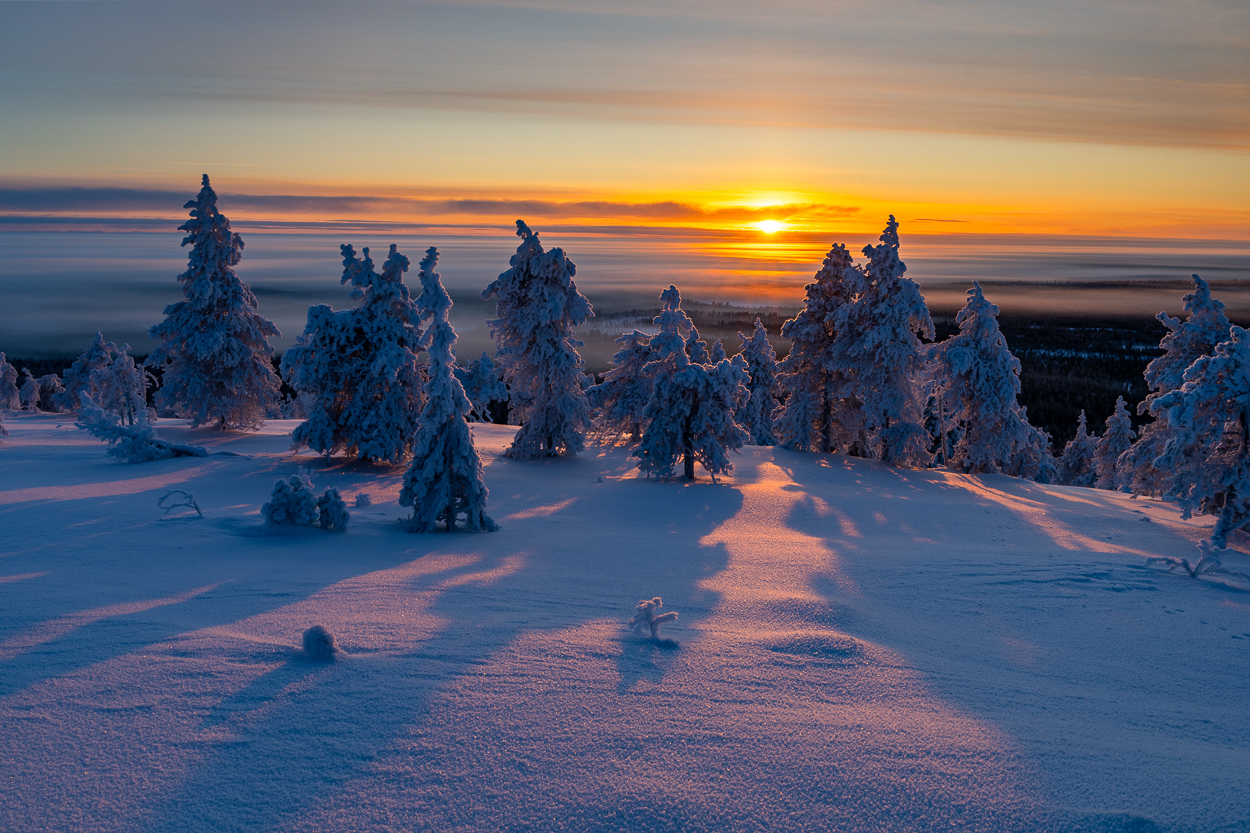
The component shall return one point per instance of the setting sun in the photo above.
(770, 226)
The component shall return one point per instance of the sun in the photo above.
(770, 226)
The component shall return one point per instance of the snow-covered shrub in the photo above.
(1076, 464)
(690, 415)
(756, 414)
(810, 417)
(621, 399)
(292, 503)
(1208, 454)
(977, 383)
(332, 514)
(135, 443)
(1116, 439)
(319, 644)
(1205, 326)
(359, 366)
(444, 481)
(50, 390)
(214, 347)
(110, 377)
(539, 309)
(363, 499)
(646, 616)
(8, 386)
(483, 385)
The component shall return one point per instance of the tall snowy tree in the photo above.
(807, 420)
(539, 310)
(1076, 464)
(1116, 439)
(756, 415)
(1208, 452)
(978, 382)
(877, 362)
(621, 399)
(359, 366)
(690, 415)
(696, 347)
(483, 385)
(214, 348)
(444, 482)
(8, 386)
(1205, 326)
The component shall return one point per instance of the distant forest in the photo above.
(1068, 363)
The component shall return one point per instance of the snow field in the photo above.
(860, 648)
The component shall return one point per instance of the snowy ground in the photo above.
(859, 648)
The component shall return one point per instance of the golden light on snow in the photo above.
(770, 226)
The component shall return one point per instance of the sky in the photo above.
(741, 138)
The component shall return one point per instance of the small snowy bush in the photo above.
(645, 616)
(332, 510)
(319, 644)
(363, 499)
(292, 503)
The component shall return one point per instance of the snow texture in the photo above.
(756, 415)
(647, 617)
(539, 308)
(483, 384)
(214, 346)
(444, 482)
(319, 644)
(690, 414)
(1205, 326)
(133, 443)
(862, 649)
(978, 380)
(621, 399)
(359, 367)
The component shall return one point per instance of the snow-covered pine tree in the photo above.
(444, 482)
(1116, 439)
(877, 361)
(1205, 326)
(621, 399)
(978, 382)
(717, 353)
(1076, 464)
(8, 386)
(50, 390)
(1208, 452)
(756, 415)
(214, 348)
(78, 376)
(28, 393)
(359, 366)
(690, 415)
(539, 310)
(807, 420)
(696, 347)
(483, 385)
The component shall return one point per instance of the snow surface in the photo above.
(859, 648)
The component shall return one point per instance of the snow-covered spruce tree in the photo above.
(1208, 453)
(77, 377)
(717, 353)
(539, 309)
(122, 386)
(50, 389)
(1076, 464)
(807, 420)
(483, 385)
(696, 348)
(1205, 326)
(444, 482)
(1116, 439)
(690, 415)
(978, 382)
(28, 393)
(8, 386)
(214, 348)
(621, 399)
(876, 361)
(134, 443)
(359, 366)
(756, 415)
